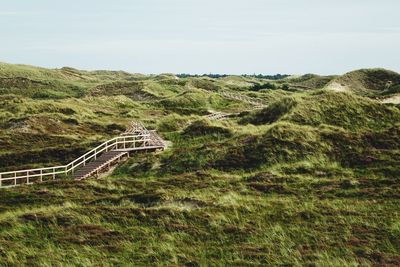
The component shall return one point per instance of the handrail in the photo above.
(217, 115)
(87, 158)
(32, 170)
(105, 143)
(135, 127)
(243, 98)
(143, 138)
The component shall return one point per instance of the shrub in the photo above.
(171, 123)
(272, 113)
(200, 128)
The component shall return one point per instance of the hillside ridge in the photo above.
(258, 172)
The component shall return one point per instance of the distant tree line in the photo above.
(187, 75)
(216, 76)
(268, 77)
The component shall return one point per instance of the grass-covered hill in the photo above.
(312, 178)
(309, 81)
(368, 82)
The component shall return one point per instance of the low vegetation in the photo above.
(310, 179)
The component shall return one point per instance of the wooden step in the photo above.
(93, 167)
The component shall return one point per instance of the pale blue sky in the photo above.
(207, 36)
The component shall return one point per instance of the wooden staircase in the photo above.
(136, 139)
(257, 103)
(107, 159)
(156, 140)
(103, 162)
(219, 116)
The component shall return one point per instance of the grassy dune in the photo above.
(311, 179)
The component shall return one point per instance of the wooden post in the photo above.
(54, 173)
(41, 175)
(27, 177)
(1, 181)
(15, 180)
(84, 160)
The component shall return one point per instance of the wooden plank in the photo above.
(144, 140)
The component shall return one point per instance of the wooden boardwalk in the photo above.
(218, 116)
(257, 104)
(103, 162)
(136, 139)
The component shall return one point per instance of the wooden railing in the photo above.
(218, 116)
(246, 99)
(135, 127)
(14, 178)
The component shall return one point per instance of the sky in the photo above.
(203, 36)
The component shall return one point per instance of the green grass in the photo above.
(369, 82)
(312, 179)
(321, 107)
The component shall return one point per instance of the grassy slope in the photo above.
(311, 179)
(368, 82)
(39, 107)
(309, 81)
